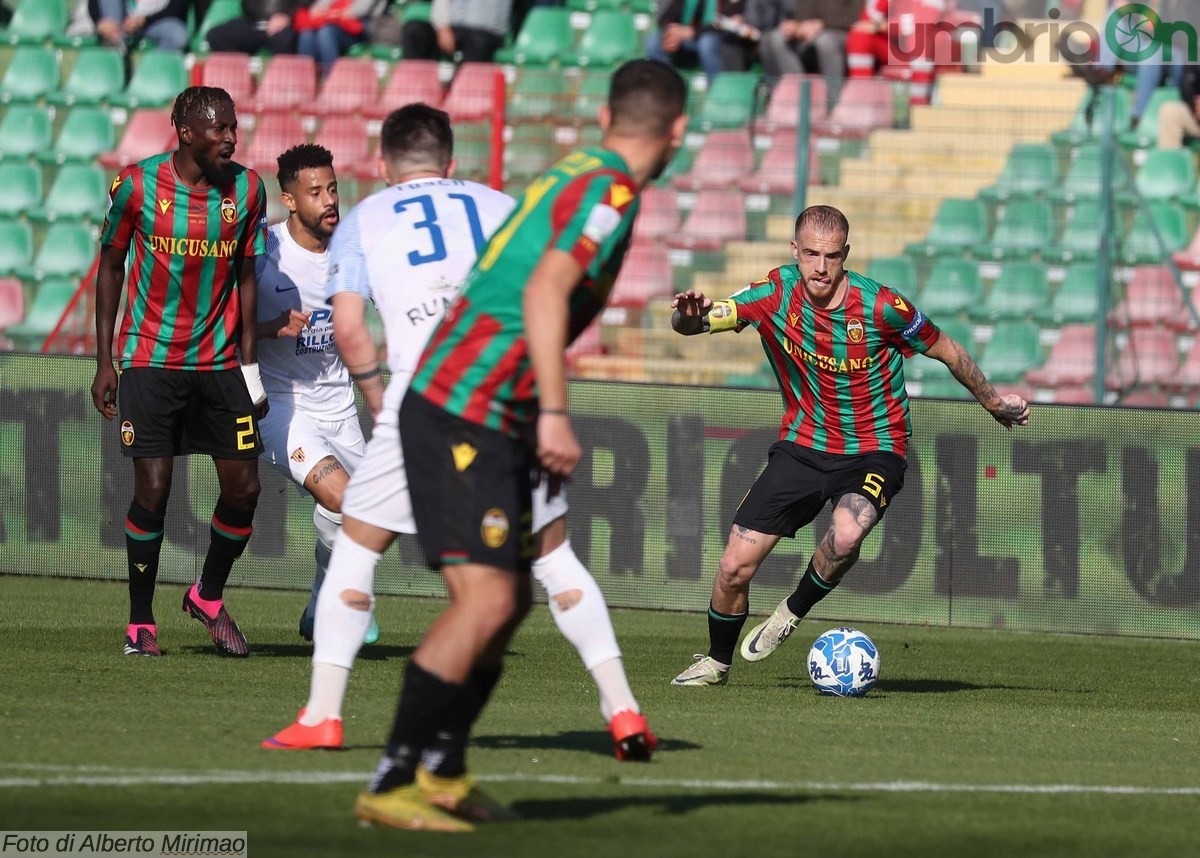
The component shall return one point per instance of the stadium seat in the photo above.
(230, 72)
(12, 302)
(730, 102)
(218, 13)
(473, 91)
(1031, 169)
(67, 250)
(645, 275)
(1084, 178)
(716, 218)
(1080, 239)
(725, 157)
(158, 78)
(148, 132)
(530, 151)
(1022, 228)
(777, 172)
(1013, 350)
(930, 369)
(895, 272)
(1167, 174)
(589, 96)
(1087, 124)
(1152, 298)
(594, 5)
(609, 39)
(97, 76)
(783, 108)
(79, 192)
(1020, 290)
(289, 83)
(1189, 258)
(346, 138)
(274, 134)
(1146, 133)
(958, 225)
(349, 88)
(16, 246)
(1076, 298)
(411, 81)
(953, 287)
(31, 76)
(87, 134)
(22, 185)
(1145, 398)
(35, 22)
(473, 152)
(1142, 245)
(1151, 357)
(659, 214)
(1072, 359)
(537, 95)
(24, 132)
(50, 300)
(862, 106)
(1188, 376)
(545, 37)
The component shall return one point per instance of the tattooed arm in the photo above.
(1008, 410)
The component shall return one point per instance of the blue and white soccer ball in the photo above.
(843, 662)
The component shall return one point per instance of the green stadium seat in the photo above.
(79, 192)
(87, 133)
(1141, 245)
(31, 76)
(158, 77)
(1080, 239)
(594, 5)
(415, 12)
(538, 94)
(1022, 229)
(958, 225)
(473, 152)
(35, 22)
(610, 39)
(22, 185)
(1083, 179)
(925, 369)
(895, 272)
(1075, 300)
(97, 76)
(50, 301)
(1013, 350)
(730, 101)
(953, 287)
(531, 151)
(67, 251)
(545, 38)
(1166, 175)
(592, 92)
(24, 132)
(16, 245)
(1031, 169)
(1146, 133)
(1081, 130)
(1020, 290)
(218, 13)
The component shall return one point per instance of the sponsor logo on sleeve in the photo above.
(601, 223)
(917, 322)
(720, 310)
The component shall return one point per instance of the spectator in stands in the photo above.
(805, 35)
(264, 25)
(1181, 119)
(1150, 74)
(710, 33)
(469, 30)
(326, 29)
(162, 23)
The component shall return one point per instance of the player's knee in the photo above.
(356, 600)
(846, 541)
(734, 573)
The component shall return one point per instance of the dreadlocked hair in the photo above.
(195, 101)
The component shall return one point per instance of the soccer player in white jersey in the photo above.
(408, 248)
(313, 435)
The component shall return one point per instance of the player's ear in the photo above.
(289, 202)
(678, 129)
(381, 170)
(795, 250)
(184, 133)
(451, 168)
(605, 116)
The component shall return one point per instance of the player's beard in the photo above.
(216, 173)
(318, 227)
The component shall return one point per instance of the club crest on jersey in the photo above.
(163, 205)
(854, 331)
(228, 210)
(298, 455)
(493, 530)
(127, 434)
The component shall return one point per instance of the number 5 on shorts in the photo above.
(873, 484)
(245, 436)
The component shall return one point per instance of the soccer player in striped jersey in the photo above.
(837, 343)
(488, 402)
(189, 376)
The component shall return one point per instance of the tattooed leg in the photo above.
(853, 518)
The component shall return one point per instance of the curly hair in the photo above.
(195, 101)
(306, 156)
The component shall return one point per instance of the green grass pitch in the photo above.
(974, 743)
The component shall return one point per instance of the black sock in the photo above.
(426, 702)
(811, 589)
(723, 633)
(230, 531)
(446, 755)
(143, 542)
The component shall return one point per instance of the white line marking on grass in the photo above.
(57, 776)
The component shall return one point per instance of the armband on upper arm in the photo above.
(722, 317)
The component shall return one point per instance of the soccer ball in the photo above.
(843, 662)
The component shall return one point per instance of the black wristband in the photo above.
(365, 376)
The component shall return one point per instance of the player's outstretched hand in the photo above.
(557, 448)
(691, 303)
(104, 390)
(1013, 411)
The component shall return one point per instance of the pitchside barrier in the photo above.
(1079, 523)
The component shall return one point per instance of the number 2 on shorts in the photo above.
(245, 437)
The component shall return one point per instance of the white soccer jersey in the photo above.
(304, 374)
(409, 248)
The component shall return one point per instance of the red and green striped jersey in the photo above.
(476, 363)
(840, 369)
(183, 309)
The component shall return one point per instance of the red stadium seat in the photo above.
(1075, 395)
(1188, 377)
(1189, 259)
(12, 302)
(783, 110)
(288, 84)
(274, 134)
(645, 275)
(346, 138)
(1151, 357)
(725, 158)
(230, 72)
(777, 173)
(1146, 399)
(659, 214)
(148, 132)
(863, 106)
(473, 92)
(716, 218)
(412, 81)
(1152, 299)
(1072, 360)
(587, 343)
(350, 88)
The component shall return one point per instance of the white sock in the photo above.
(586, 624)
(326, 693)
(327, 524)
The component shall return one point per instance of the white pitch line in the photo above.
(198, 778)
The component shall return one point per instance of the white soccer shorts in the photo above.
(294, 442)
